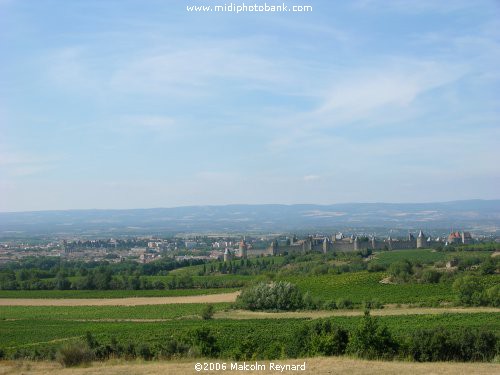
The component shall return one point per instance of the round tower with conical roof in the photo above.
(421, 240)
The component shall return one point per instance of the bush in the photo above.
(145, 352)
(310, 303)
(371, 341)
(430, 276)
(173, 348)
(74, 354)
(401, 270)
(374, 267)
(373, 305)
(330, 305)
(493, 296)
(208, 312)
(279, 295)
(344, 303)
(326, 339)
(206, 342)
(469, 291)
(433, 345)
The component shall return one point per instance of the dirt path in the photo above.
(135, 301)
(243, 314)
(313, 366)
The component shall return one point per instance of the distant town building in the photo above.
(190, 244)
(457, 238)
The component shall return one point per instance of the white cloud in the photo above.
(199, 70)
(396, 84)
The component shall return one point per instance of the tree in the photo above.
(62, 283)
(208, 312)
(279, 295)
(400, 270)
(370, 340)
(469, 291)
(205, 341)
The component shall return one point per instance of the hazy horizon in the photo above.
(255, 204)
(128, 104)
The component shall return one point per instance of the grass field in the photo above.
(44, 313)
(43, 329)
(314, 366)
(193, 311)
(366, 286)
(51, 331)
(425, 256)
(110, 293)
(355, 286)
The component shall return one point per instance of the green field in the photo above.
(425, 256)
(45, 313)
(37, 331)
(34, 334)
(365, 286)
(110, 293)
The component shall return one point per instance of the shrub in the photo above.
(469, 291)
(208, 312)
(130, 351)
(373, 305)
(330, 305)
(431, 276)
(90, 340)
(432, 345)
(308, 302)
(206, 342)
(493, 296)
(371, 341)
(145, 352)
(401, 270)
(326, 339)
(344, 303)
(74, 354)
(279, 295)
(374, 267)
(173, 348)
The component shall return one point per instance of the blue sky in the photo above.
(128, 104)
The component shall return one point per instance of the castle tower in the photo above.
(326, 245)
(227, 255)
(273, 248)
(389, 243)
(243, 249)
(307, 245)
(421, 240)
(373, 243)
(466, 238)
(356, 243)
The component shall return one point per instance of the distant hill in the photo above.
(483, 215)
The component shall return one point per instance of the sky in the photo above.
(141, 103)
